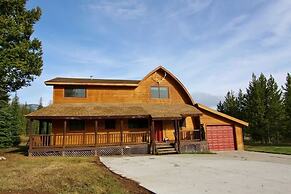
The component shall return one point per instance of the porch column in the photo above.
(84, 134)
(153, 138)
(178, 135)
(121, 132)
(30, 136)
(96, 141)
(121, 136)
(64, 136)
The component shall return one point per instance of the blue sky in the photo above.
(211, 46)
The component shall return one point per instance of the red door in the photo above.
(220, 137)
(159, 131)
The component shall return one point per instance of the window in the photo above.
(137, 123)
(159, 92)
(110, 124)
(75, 92)
(77, 125)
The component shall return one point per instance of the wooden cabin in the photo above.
(155, 115)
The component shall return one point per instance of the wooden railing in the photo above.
(88, 139)
(190, 135)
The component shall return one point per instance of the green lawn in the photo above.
(269, 149)
(22, 174)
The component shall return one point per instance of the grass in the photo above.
(269, 149)
(22, 174)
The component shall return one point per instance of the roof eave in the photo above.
(241, 122)
(48, 83)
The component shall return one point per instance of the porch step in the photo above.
(165, 148)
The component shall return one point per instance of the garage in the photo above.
(220, 137)
(223, 132)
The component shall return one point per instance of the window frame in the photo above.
(159, 92)
(79, 130)
(72, 88)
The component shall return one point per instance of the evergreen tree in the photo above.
(241, 102)
(256, 108)
(16, 120)
(274, 111)
(229, 106)
(20, 56)
(40, 103)
(6, 117)
(287, 105)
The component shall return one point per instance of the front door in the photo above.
(159, 131)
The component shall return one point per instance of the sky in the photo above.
(211, 46)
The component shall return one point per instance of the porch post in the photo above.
(84, 134)
(96, 141)
(121, 136)
(121, 132)
(153, 138)
(64, 136)
(30, 136)
(178, 134)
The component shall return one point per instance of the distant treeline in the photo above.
(266, 106)
(13, 123)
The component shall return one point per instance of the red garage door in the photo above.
(220, 137)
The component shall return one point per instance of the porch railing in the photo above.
(89, 139)
(190, 135)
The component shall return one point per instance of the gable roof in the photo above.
(174, 77)
(88, 81)
(203, 107)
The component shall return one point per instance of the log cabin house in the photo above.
(155, 115)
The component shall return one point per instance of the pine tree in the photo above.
(230, 104)
(287, 105)
(274, 111)
(5, 125)
(256, 108)
(241, 102)
(40, 105)
(16, 120)
(20, 53)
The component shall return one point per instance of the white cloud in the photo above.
(126, 9)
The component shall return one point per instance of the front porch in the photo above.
(95, 139)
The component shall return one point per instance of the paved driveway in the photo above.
(224, 172)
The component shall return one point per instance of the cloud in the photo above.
(187, 7)
(127, 9)
(207, 99)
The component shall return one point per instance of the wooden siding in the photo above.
(211, 119)
(239, 138)
(140, 94)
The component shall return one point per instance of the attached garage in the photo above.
(220, 137)
(223, 132)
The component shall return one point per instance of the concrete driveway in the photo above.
(224, 172)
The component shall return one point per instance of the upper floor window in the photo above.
(75, 92)
(77, 125)
(159, 92)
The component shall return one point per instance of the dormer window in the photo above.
(75, 92)
(159, 92)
